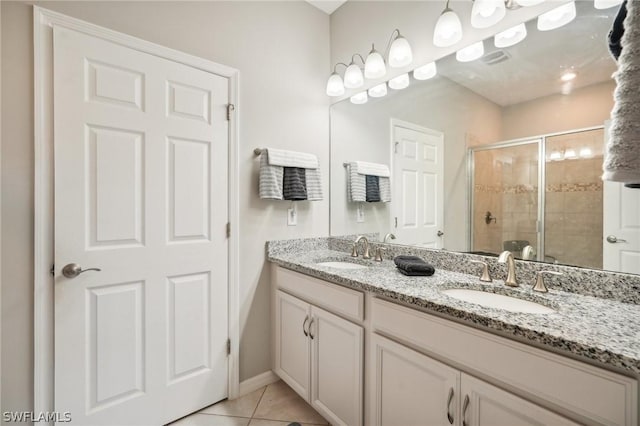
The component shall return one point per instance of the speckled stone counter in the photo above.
(605, 331)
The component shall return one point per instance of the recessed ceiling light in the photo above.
(568, 76)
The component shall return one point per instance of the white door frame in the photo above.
(43, 22)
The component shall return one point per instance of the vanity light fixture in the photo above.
(486, 13)
(335, 85)
(353, 77)
(586, 152)
(374, 66)
(359, 98)
(510, 37)
(605, 4)
(400, 54)
(557, 17)
(378, 91)
(568, 76)
(570, 154)
(425, 72)
(555, 156)
(527, 3)
(400, 82)
(471, 52)
(448, 30)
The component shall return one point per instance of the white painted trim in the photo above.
(256, 382)
(44, 20)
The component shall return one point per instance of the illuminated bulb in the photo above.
(425, 72)
(486, 13)
(570, 154)
(557, 17)
(400, 54)
(374, 66)
(568, 76)
(555, 156)
(378, 91)
(471, 52)
(448, 30)
(585, 152)
(606, 4)
(359, 98)
(335, 86)
(513, 35)
(353, 77)
(400, 82)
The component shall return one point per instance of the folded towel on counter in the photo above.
(372, 189)
(622, 154)
(294, 184)
(373, 169)
(314, 184)
(413, 266)
(356, 184)
(283, 158)
(270, 179)
(385, 189)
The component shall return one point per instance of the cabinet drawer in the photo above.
(597, 395)
(337, 299)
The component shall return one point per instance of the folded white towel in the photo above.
(384, 183)
(372, 169)
(314, 184)
(356, 184)
(622, 157)
(270, 179)
(281, 157)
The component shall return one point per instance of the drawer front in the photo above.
(337, 299)
(598, 395)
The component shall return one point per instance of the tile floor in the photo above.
(273, 405)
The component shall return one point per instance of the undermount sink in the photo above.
(497, 301)
(342, 265)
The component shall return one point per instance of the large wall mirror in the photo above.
(501, 153)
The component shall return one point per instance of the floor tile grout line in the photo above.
(259, 401)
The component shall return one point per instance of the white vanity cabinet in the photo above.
(318, 353)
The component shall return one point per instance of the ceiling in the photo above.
(535, 65)
(327, 6)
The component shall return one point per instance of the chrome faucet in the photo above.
(354, 251)
(388, 236)
(507, 257)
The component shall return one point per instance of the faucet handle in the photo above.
(354, 250)
(540, 285)
(378, 257)
(485, 271)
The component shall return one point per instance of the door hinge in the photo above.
(230, 107)
(228, 229)
(228, 346)
(52, 271)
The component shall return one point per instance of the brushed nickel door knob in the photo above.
(72, 270)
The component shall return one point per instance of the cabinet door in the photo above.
(292, 362)
(412, 389)
(486, 405)
(336, 368)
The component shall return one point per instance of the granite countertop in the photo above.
(601, 330)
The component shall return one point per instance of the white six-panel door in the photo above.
(140, 147)
(418, 183)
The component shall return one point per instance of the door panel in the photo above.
(141, 193)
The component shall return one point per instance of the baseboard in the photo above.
(256, 382)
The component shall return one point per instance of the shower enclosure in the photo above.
(547, 210)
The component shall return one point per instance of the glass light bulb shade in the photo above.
(527, 3)
(555, 156)
(586, 152)
(400, 54)
(486, 13)
(557, 17)
(425, 72)
(353, 77)
(606, 4)
(335, 86)
(448, 30)
(359, 98)
(510, 37)
(378, 91)
(568, 76)
(400, 82)
(471, 52)
(374, 66)
(570, 154)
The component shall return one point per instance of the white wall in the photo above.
(282, 52)
(362, 132)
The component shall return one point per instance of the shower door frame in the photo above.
(541, 140)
